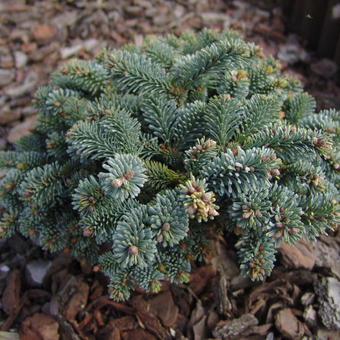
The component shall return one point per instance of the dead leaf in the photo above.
(39, 327)
(288, 325)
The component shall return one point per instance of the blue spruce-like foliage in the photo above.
(140, 155)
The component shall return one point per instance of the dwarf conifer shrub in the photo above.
(140, 154)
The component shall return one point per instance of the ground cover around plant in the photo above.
(45, 297)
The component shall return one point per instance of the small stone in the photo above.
(133, 10)
(43, 33)
(36, 271)
(6, 61)
(143, 3)
(8, 115)
(179, 11)
(91, 45)
(29, 111)
(4, 269)
(310, 316)
(138, 39)
(22, 129)
(161, 19)
(6, 76)
(68, 52)
(9, 335)
(29, 84)
(20, 59)
(325, 334)
(40, 53)
(292, 52)
(325, 68)
(328, 292)
(213, 17)
(65, 19)
(307, 299)
(270, 336)
(327, 253)
(336, 12)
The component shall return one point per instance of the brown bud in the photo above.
(9, 186)
(128, 175)
(133, 250)
(191, 210)
(210, 144)
(238, 231)
(278, 234)
(247, 215)
(87, 232)
(212, 212)
(96, 268)
(282, 114)
(166, 227)
(117, 183)
(21, 166)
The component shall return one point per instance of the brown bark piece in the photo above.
(11, 300)
(288, 325)
(139, 334)
(11, 295)
(200, 278)
(301, 255)
(234, 327)
(164, 307)
(40, 327)
(148, 319)
(77, 301)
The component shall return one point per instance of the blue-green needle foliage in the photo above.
(138, 155)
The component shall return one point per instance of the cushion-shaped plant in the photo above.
(138, 155)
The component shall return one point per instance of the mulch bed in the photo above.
(45, 297)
